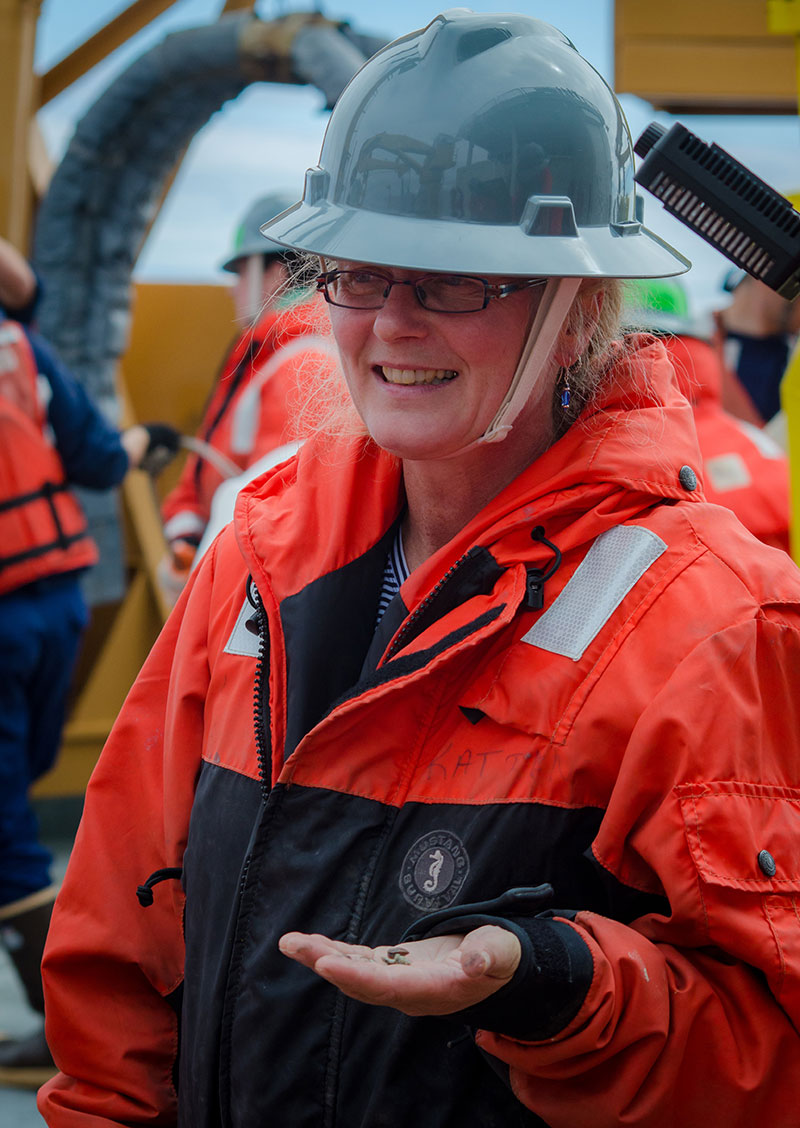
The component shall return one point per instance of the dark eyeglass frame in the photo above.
(491, 290)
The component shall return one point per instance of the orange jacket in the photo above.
(42, 527)
(634, 743)
(251, 409)
(743, 468)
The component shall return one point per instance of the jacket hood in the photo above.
(697, 369)
(628, 451)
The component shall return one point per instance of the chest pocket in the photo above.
(744, 840)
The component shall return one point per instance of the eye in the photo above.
(452, 292)
(449, 282)
(361, 280)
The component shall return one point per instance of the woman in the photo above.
(513, 844)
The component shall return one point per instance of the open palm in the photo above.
(439, 975)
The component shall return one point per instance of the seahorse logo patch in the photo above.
(434, 870)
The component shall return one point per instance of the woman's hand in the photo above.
(424, 977)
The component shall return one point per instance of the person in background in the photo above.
(755, 334)
(252, 404)
(461, 786)
(51, 437)
(743, 467)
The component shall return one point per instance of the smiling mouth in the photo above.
(417, 375)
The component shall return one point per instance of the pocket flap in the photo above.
(743, 835)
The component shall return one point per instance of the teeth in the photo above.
(418, 375)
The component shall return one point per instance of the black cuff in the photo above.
(550, 984)
(547, 989)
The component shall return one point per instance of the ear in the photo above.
(574, 338)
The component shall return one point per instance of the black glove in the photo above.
(555, 970)
(164, 444)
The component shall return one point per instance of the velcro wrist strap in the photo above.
(554, 973)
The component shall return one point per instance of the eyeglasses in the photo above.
(442, 293)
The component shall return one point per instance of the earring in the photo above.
(566, 392)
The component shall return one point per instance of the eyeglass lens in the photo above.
(364, 289)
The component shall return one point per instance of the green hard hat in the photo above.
(480, 144)
(247, 238)
(661, 305)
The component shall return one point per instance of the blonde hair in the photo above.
(592, 367)
(321, 403)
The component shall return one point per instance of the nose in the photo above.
(401, 315)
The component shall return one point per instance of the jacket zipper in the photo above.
(261, 693)
(534, 590)
(243, 878)
(261, 728)
(414, 617)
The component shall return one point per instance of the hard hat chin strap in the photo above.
(553, 310)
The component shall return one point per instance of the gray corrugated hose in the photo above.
(93, 220)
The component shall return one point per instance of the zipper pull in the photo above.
(534, 589)
(535, 577)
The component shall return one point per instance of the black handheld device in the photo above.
(724, 203)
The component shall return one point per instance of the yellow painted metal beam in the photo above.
(783, 17)
(718, 56)
(114, 671)
(116, 32)
(686, 77)
(688, 19)
(141, 507)
(40, 163)
(790, 402)
(18, 94)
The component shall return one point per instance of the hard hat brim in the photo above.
(357, 235)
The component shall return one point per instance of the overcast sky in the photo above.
(267, 137)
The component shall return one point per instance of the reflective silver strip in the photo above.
(247, 413)
(243, 641)
(727, 472)
(608, 571)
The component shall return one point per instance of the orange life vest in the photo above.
(43, 529)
